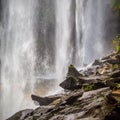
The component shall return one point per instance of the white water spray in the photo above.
(94, 31)
(18, 45)
(80, 26)
(17, 57)
(63, 31)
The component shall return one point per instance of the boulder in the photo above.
(114, 114)
(113, 83)
(115, 74)
(86, 83)
(116, 95)
(71, 83)
(92, 94)
(97, 62)
(73, 72)
(94, 86)
(73, 97)
(113, 59)
(21, 114)
(44, 100)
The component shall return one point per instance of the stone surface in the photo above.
(21, 114)
(44, 100)
(92, 94)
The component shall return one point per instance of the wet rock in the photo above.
(44, 100)
(93, 93)
(94, 86)
(71, 83)
(116, 95)
(115, 74)
(111, 55)
(113, 83)
(70, 100)
(72, 97)
(21, 114)
(91, 71)
(97, 62)
(113, 59)
(114, 114)
(86, 83)
(73, 72)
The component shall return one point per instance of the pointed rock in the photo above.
(71, 83)
(72, 71)
(44, 100)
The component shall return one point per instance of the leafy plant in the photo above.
(116, 5)
(116, 43)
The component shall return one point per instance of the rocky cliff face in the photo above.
(92, 93)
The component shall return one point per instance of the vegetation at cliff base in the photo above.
(116, 43)
(116, 5)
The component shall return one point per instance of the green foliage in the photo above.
(117, 85)
(71, 67)
(116, 5)
(88, 87)
(116, 66)
(116, 43)
(102, 95)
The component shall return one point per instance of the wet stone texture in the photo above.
(90, 94)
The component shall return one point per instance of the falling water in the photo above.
(63, 31)
(94, 32)
(41, 38)
(80, 24)
(18, 56)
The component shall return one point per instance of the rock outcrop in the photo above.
(44, 100)
(90, 94)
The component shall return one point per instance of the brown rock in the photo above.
(44, 100)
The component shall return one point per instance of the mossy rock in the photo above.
(94, 86)
(71, 83)
(88, 87)
(116, 66)
(116, 95)
(117, 85)
(72, 71)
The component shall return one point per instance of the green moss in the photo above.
(71, 66)
(116, 43)
(119, 104)
(88, 87)
(116, 66)
(102, 95)
(117, 85)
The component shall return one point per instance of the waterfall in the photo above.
(39, 39)
(65, 50)
(94, 30)
(63, 31)
(80, 24)
(17, 57)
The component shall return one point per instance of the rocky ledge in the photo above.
(92, 93)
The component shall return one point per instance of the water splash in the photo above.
(18, 56)
(63, 31)
(94, 33)
(80, 26)
(39, 39)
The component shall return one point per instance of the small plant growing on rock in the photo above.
(116, 43)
